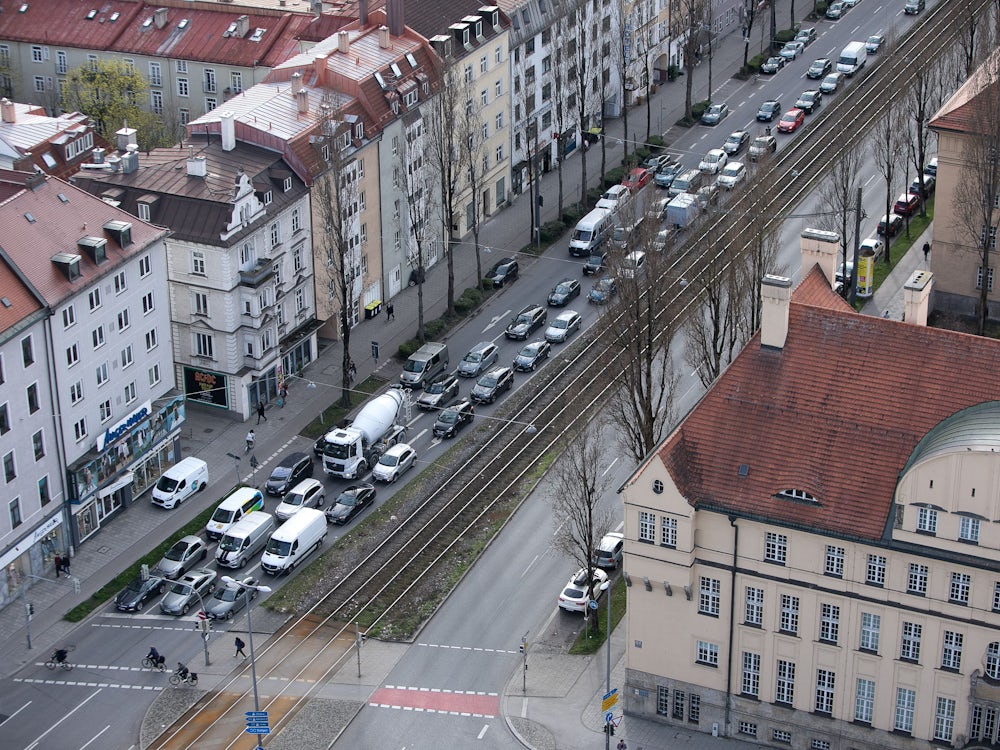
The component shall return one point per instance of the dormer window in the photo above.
(268, 197)
(359, 131)
(287, 184)
(411, 98)
(465, 36)
(479, 29)
(346, 139)
(496, 18)
(798, 495)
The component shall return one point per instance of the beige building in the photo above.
(812, 554)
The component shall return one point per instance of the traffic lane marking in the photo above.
(100, 685)
(441, 701)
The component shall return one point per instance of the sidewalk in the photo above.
(888, 298)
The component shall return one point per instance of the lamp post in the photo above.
(253, 662)
(606, 587)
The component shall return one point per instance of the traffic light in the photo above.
(203, 624)
(520, 649)
(30, 609)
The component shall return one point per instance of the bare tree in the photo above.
(622, 59)
(922, 99)
(563, 96)
(582, 80)
(887, 142)
(692, 14)
(838, 198)
(421, 209)
(750, 10)
(970, 22)
(472, 142)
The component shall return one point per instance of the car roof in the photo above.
(397, 449)
(304, 485)
(292, 458)
(566, 314)
(609, 540)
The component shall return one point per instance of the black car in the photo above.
(532, 355)
(440, 393)
(134, 595)
(526, 322)
(772, 65)
(809, 101)
(603, 291)
(492, 384)
(596, 263)
(350, 502)
(564, 291)
(503, 272)
(735, 142)
(293, 469)
(454, 418)
(769, 110)
(819, 68)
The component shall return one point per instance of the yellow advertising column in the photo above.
(865, 272)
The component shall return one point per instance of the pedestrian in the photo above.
(927, 250)
(65, 563)
(58, 561)
(622, 745)
(352, 373)
(250, 439)
(390, 312)
(260, 412)
(239, 648)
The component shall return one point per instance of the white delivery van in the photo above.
(590, 232)
(852, 59)
(180, 481)
(241, 501)
(294, 541)
(244, 539)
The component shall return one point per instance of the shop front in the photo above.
(32, 557)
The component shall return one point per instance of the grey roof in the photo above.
(974, 429)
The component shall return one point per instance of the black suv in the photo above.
(526, 322)
(597, 262)
(452, 419)
(769, 110)
(503, 272)
(293, 469)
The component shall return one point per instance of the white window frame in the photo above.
(751, 674)
(834, 565)
(960, 589)
(927, 520)
(875, 570)
(906, 702)
(668, 532)
(825, 686)
(968, 529)
(916, 579)
(909, 641)
(864, 700)
(775, 548)
(709, 596)
(647, 526)
(784, 684)
(753, 613)
(789, 622)
(951, 650)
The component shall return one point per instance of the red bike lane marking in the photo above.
(437, 701)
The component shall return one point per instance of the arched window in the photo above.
(993, 660)
(799, 495)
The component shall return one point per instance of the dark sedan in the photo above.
(772, 65)
(230, 599)
(532, 355)
(454, 418)
(492, 384)
(350, 502)
(134, 596)
(602, 291)
(564, 291)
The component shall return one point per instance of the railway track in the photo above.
(494, 475)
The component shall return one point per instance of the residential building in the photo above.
(967, 202)
(239, 261)
(100, 274)
(32, 140)
(810, 555)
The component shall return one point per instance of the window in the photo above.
(498, 123)
(145, 267)
(784, 691)
(968, 530)
(4, 420)
(961, 583)
(9, 467)
(14, 508)
(754, 614)
(944, 719)
(989, 276)
(198, 263)
(129, 393)
(748, 728)
(200, 303)
(751, 674)
(483, 64)
(498, 55)
(834, 561)
(647, 526)
(875, 574)
(927, 520)
(275, 234)
(72, 355)
(155, 74)
(39, 83)
(36, 54)
(27, 351)
(203, 345)
(916, 581)
(668, 531)
(69, 316)
(127, 357)
(775, 548)
(825, 680)
(236, 82)
(789, 614)
(106, 410)
(156, 105)
(120, 282)
(32, 395)
(150, 339)
(468, 74)
(906, 701)
(678, 705)
(97, 337)
(484, 97)
(209, 87)
(183, 88)
(147, 303)
(498, 89)
(154, 374)
(996, 597)
(870, 627)
(80, 429)
(76, 392)
(829, 622)
(909, 644)
(43, 490)
(694, 708)
(102, 374)
(61, 64)
(864, 700)
(296, 220)
(709, 596)
(94, 298)
(708, 654)
(951, 651)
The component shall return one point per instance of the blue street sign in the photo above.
(609, 717)
(256, 714)
(592, 604)
(257, 719)
(608, 695)
(258, 730)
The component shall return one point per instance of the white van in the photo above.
(590, 232)
(852, 59)
(634, 262)
(244, 539)
(294, 541)
(180, 481)
(240, 502)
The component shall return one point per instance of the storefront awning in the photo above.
(123, 481)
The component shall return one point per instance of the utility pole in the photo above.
(857, 241)
(359, 639)
(524, 662)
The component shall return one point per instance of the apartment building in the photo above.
(810, 555)
(106, 346)
(32, 140)
(239, 261)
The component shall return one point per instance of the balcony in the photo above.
(260, 272)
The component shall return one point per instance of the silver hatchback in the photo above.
(479, 359)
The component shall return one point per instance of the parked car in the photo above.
(608, 553)
(563, 292)
(656, 161)
(913, 7)
(929, 184)
(819, 68)
(614, 198)
(440, 393)
(480, 357)
(187, 591)
(791, 121)
(874, 43)
(762, 146)
(792, 50)
(564, 324)
(658, 209)
(736, 142)
(831, 83)
(133, 597)
(578, 591)
(185, 553)
(768, 110)
(772, 65)
(734, 173)
(809, 101)
(503, 272)
(394, 462)
(492, 384)
(637, 178)
(596, 263)
(602, 291)
(906, 204)
(350, 502)
(230, 599)
(931, 167)
(665, 175)
(715, 114)
(713, 161)
(452, 419)
(889, 226)
(531, 355)
(662, 240)
(526, 322)
(291, 470)
(806, 36)
(875, 245)
(835, 10)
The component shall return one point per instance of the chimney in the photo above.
(8, 110)
(917, 297)
(242, 26)
(130, 159)
(228, 131)
(343, 42)
(97, 156)
(302, 100)
(196, 166)
(363, 12)
(296, 82)
(126, 137)
(160, 17)
(394, 13)
(383, 37)
(819, 246)
(114, 163)
(775, 294)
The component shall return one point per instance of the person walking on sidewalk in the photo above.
(390, 312)
(58, 561)
(927, 250)
(65, 563)
(622, 745)
(260, 412)
(239, 648)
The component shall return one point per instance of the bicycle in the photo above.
(57, 660)
(191, 678)
(150, 663)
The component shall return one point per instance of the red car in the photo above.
(907, 204)
(637, 178)
(791, 120)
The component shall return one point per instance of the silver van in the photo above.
(688, 182)
(591, 232)
(244, 539)
(425, 364)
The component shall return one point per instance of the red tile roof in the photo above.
(16, 300)
(835, 413)
(975, 104)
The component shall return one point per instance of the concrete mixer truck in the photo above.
(348, 452)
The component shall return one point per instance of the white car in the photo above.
(577, 593)
(564, 324)
(874, 244)
(394, 462)
(732, 175)
(792, 50)
(714, 161)
(616, 197)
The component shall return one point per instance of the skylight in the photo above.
(800, 495)
(183, 24)
(378, 77)
(115, 16)
(91, 15)
(411, 59)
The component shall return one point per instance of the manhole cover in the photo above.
(104, 550)
(209, 430)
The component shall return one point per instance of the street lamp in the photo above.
(229, 580)
(606, 587)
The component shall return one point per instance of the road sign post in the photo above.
(375, 351)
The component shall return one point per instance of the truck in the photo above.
(852, 59)
(348, 452)
(682, 210)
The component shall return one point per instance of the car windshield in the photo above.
(294, 498)
(180, 588)
(529, 351)
(437, 388)
(279, 548)
(349, 499)
(573, 593)
(474, 357)
(733, 140)
(176, 552)
(560, 323)
(166, 484)
(603, 285)
(774, 60)
(281, 472)
(620, 234)
(135, 584)
(414, 365)
(389, 460)
(715, 109)
(231, 543)
(563, 288)
(523, 320)
(488, 381)
(222, 515)
(226, 595)
(448, 417)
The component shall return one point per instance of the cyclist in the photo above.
(250, 440)
(153, 655)
(182, 671)
(59, 655)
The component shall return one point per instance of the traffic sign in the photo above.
(256, 723)
(256, 714)
(592, 604)
(258, 730)
(610, 700)
(609, 717)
